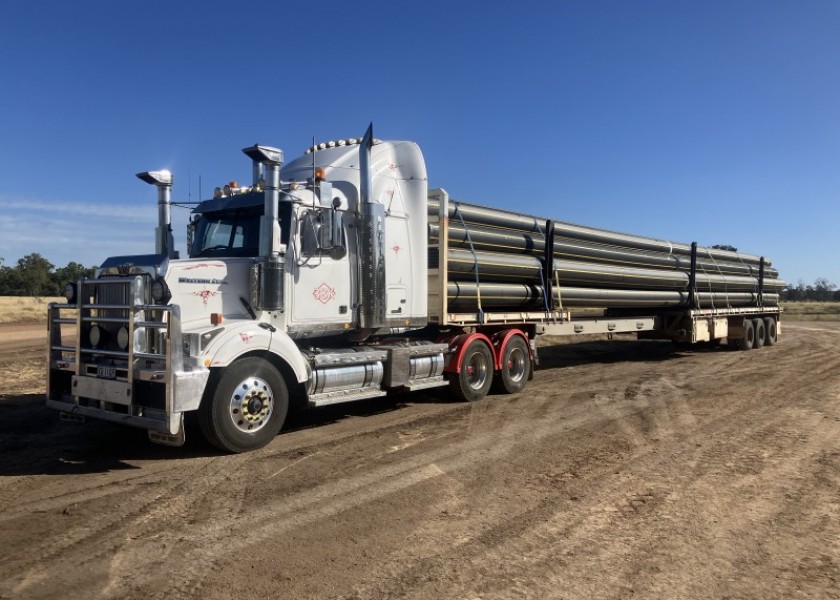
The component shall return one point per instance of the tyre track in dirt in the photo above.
(624, 471)
(512, 556)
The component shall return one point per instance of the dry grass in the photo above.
(20, 309)
(23, 376)
(811, 311)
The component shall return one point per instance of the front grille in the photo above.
(109, 305)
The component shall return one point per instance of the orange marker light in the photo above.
(216, 318)
(320, 174)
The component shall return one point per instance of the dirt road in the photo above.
(625, 471)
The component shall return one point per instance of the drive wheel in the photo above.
(516, 367)
(745, 342)
(760, 332)
(476, 375)
(246, 408)
(771, 331)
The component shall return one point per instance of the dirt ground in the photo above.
(626, 470)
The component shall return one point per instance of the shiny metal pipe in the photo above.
(504, 219)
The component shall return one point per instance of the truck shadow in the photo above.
(34, 441)
(614, 351)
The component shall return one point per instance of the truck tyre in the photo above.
(771, 335)
(516, 367)
(246, 408)
(745, 342)
(475, 377)
(760, 333)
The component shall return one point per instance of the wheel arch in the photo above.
(459, 344)
(275, 347)
(501, 339)
(296, 389)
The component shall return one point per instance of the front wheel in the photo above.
(246, 408)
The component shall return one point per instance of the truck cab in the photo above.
(288, 288)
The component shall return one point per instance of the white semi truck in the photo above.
(339, 276)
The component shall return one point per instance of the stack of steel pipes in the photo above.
(497, 260)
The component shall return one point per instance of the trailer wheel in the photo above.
(771, 335)
(246, 408)
(516, 367)
(747, 339)
(473, 380)
(760, 333)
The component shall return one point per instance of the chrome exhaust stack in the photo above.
(267, 288)
(372, 309)
(164, 244)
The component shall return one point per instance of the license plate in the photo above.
(106, 372)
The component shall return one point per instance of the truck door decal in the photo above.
(323, 293)
(205, 295)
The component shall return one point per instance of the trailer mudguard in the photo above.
(500, 340)
(458, 344)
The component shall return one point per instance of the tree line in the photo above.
(822, 290)
(34, 275)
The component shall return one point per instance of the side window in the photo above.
(218, 235)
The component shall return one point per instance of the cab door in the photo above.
(321, 295)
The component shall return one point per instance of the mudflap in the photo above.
(169, 439)
(70, 417)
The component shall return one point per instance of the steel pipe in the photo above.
(521, 242)
(508, 220)
(462, 296)
(496, 267)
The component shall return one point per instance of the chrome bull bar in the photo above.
(134, 371)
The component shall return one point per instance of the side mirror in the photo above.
(322, 233)
(338, 248)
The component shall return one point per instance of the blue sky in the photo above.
(713, 121)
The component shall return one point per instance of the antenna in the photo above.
(313, 171)
(199, 187)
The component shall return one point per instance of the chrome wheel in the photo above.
(516, 364)
(478, 370)
(251, 404)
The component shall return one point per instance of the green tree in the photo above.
(33, 275)
(70, 274)
(823, 289)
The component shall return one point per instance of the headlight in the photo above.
(122, 338)
(95, 335)
(70, 293)
(157, 290)
(160, 292)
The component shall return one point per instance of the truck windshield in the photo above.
(227, 234)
